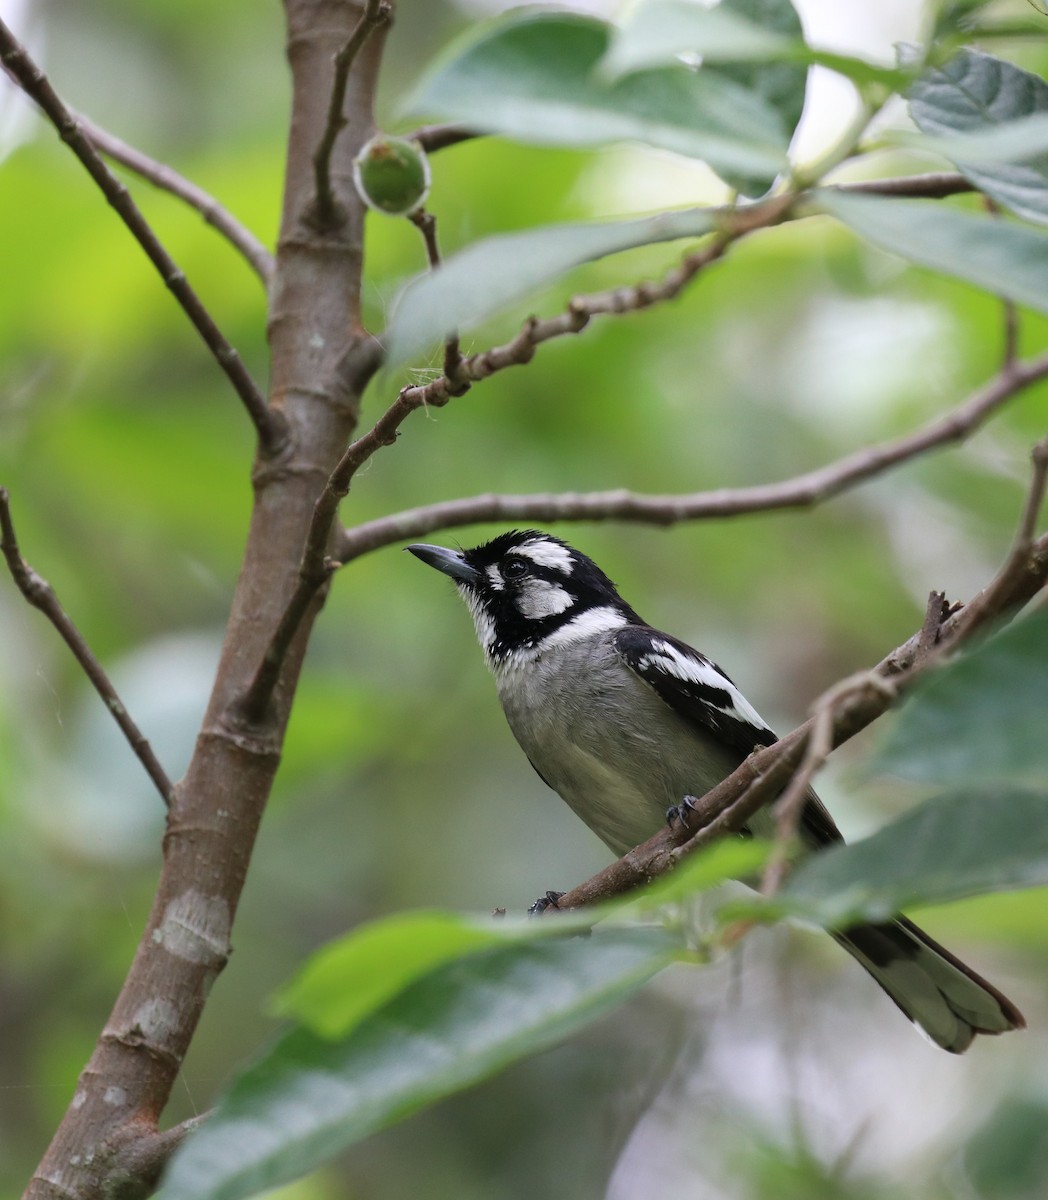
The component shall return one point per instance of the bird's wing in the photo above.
(700, 692)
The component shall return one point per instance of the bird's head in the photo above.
(529, 592)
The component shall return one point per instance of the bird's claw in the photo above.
(680, 812)
(550, 900)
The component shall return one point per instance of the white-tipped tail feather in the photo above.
(940, 995)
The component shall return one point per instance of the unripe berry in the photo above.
(392, 174)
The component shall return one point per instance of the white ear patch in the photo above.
(538, 598)
(547, 554)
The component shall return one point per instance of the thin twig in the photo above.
(40, 594)
(426, 223)
(439, 137)
(986, 604)
(1011, 333)
(326, 209)
(169, 180)
(269, 424)
(802, 491)
(935, 185)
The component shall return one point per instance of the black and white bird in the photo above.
(624, 722)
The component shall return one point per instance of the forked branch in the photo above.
(269, 424)
(169, 180)
(40, 594)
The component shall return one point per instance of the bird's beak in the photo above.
(450, 562)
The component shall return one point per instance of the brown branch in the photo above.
(935, 185)
(426, 223)
(802, 491)
(439, 137)
(734, 801)
(269, 424)
(326, 210)
(169, 180)
(40, 594)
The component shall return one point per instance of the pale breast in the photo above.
(605, 742)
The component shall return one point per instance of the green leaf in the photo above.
(736, 31)
(730, 858)
(493, 273)
(985, 840)
(534, 77)
(982, 717)
(977, 93)
(353, 976)
(1005, 259)
(659, 31)
(781, 84)
(307, 1099)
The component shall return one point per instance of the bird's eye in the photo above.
(515, 568)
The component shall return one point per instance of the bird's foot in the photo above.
(679, 813)
(550, 900)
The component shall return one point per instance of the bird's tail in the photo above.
(936, 991)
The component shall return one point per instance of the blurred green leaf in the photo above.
(308, 1098)
(981, 717)
(658, 31)
(758, 32)
(734, 858)
(1008, 260)
(977, 93)
(534, 77)
(781, 84)
(354, 976)
(493, 273)
(962, 844)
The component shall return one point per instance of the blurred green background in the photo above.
(779, 1072)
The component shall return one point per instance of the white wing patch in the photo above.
(538, 598)
(671, 661)
(586, 624)
(547, 554)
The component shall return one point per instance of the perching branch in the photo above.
(734, 801)
(326, 211)
(803, 491)
(169, 180)
(269, 424)
(39, 593)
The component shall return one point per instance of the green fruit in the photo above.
(392, 174)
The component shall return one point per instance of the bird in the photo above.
(625, 723)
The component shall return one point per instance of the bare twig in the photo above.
(169, 180)
(1011, 333)
(426, 223)
(39, 593)
(438, 137)
(269, 423)
(802, 491)
(326, 210)
(732, 803)
(985, 606)
(936, 185)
